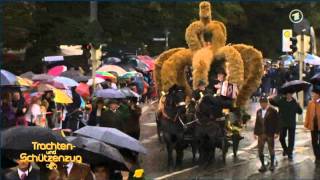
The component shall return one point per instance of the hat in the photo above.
(201, 83)
(263, 99)
(113, 101)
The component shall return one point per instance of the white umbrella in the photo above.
(312, 59)
(97, 81)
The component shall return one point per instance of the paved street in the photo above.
(244, 167)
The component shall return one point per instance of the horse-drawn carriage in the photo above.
(201, 125)
(207, 52)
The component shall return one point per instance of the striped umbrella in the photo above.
(105, 75)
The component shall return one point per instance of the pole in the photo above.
(93, 17)
(167, 39)
(93, 11)
(301, 60)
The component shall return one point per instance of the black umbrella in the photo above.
(21, 138)
(71, 73)
(96, 152)
(81, 78)
(112, 136)
(315, 78)
(294, 86)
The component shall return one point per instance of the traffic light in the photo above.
(293, 45)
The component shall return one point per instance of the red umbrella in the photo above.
(57, 70)
(148, 61)
(83, 90)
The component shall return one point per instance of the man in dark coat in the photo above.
(288, 108)
(75, 171)
(24, 171)
(267, 129)
(112, 117)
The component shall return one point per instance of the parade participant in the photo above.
(75, 171)
(34, 111)
(48, 96)
(112, 117)
(312, 122)
(23, 171)
(7, 111)
(18, 102)
(267, 129)
(200, 91)
(101, 172)
(288, 108)
(96, 113)
(217, 82)
(132, 127)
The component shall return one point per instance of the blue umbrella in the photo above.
(7, 78)
(110, 93)
(312, 59)
(129, 93)
(66, 81)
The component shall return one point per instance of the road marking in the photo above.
(175, 173)
(150, 124)
(150, 139)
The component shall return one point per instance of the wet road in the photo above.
(244, 167)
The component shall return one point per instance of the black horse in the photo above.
(212, 132)
(190, 123)
(172, 129)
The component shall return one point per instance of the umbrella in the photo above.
(57, 85)
(315, 78)
(147, 60)
(21, 137)
(97, 81)
(110, 93)
(66, 81)
(112, 68)
(81, 78)
(71, 73)
(45, 87)
(24, 81)
(112, 136)
(97, 152)
(294, 86)
(105, 75)
(312, 59)
(57, 70)
(129, 93)
(27, 75)
(42, 77)
(129, 75)
(142, 66)
(61, 97)
(83, 90)
(112, 60)
(7, 78)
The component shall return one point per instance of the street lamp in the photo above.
(167, 32)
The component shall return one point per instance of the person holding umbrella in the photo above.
(312, 121)
(288, 108)
(96, 113)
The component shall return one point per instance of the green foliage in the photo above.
(45, 25)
